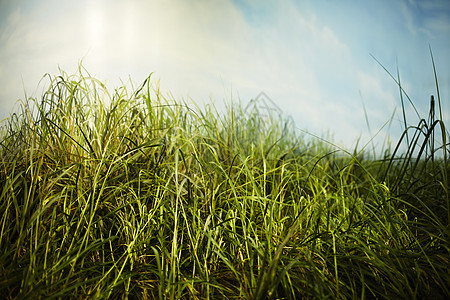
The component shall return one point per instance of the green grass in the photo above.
(116, 194)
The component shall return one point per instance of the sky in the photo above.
(317, 60)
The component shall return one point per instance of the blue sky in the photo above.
(313, 58)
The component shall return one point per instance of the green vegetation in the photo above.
(131, 194)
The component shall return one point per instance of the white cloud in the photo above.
(380, 101)
(196, 49)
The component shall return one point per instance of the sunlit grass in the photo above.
(112, 194)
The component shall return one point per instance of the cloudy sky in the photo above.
(313, 58)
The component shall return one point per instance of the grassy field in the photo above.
(116, 194)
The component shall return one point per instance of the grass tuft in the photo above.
(117, 194)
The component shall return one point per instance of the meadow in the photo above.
(127, 193)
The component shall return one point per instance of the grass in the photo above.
(128, 194)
